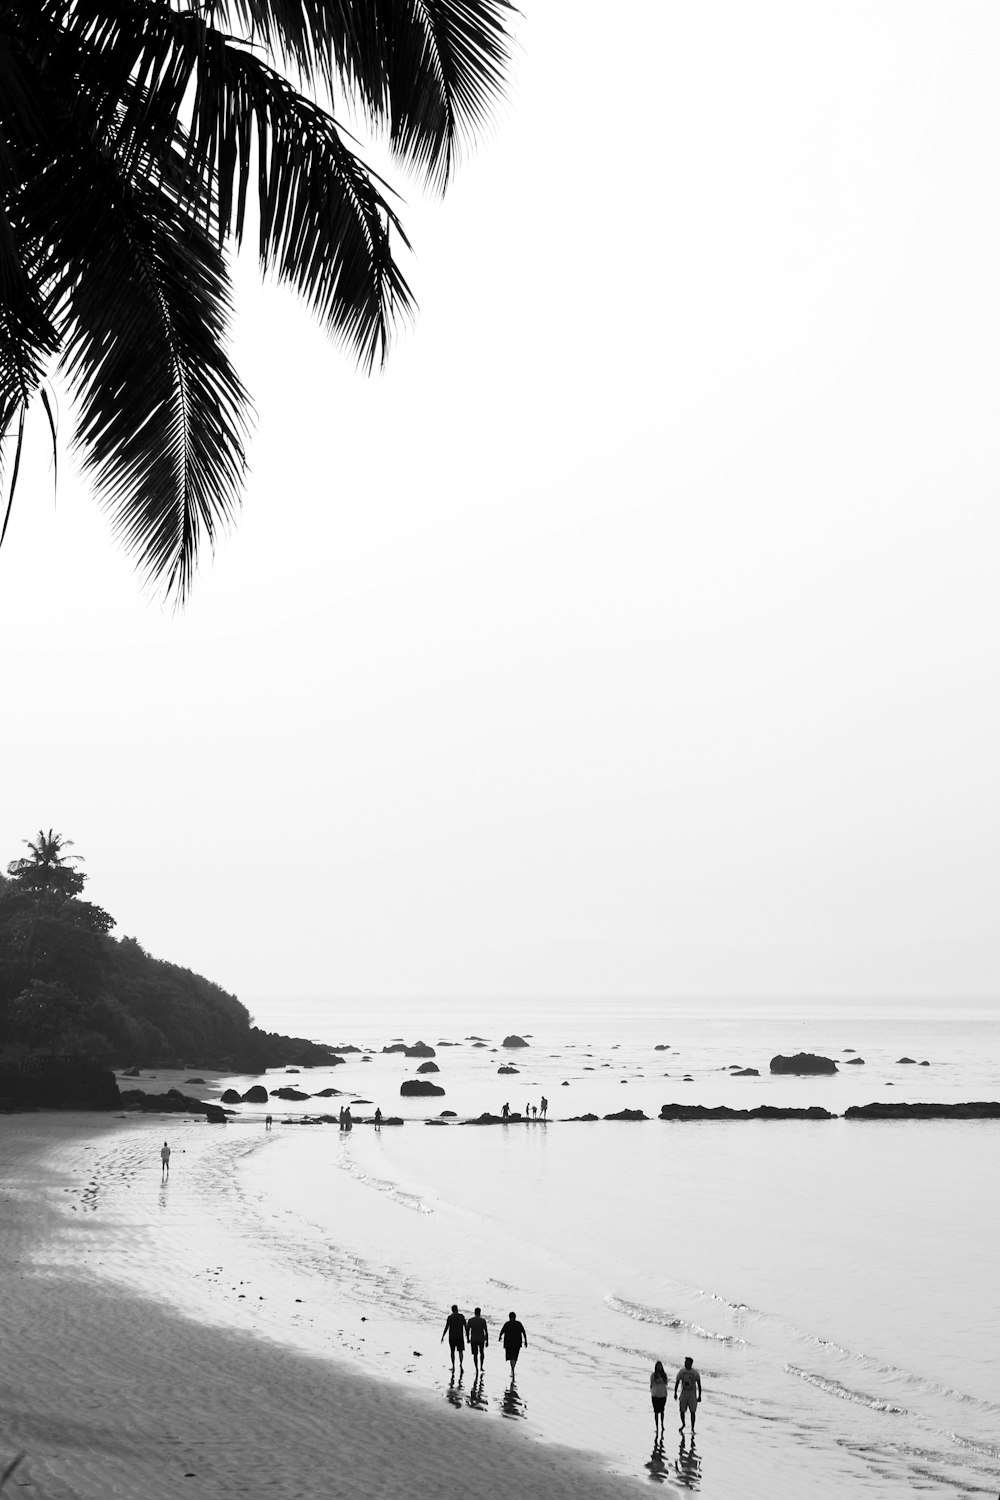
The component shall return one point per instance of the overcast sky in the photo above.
(636, 632)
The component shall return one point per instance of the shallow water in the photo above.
(833, 1280)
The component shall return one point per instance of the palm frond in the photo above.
(142, 299)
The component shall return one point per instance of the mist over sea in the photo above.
(835, 1281)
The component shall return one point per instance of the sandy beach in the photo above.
(110, 1394)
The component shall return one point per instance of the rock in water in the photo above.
(419, 1086)
(514, 1041)
(803, 1062)
(428, 1067)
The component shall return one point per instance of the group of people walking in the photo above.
(687, 1392)
(531, 1111)
(458, 1327)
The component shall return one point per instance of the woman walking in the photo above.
(659, 1390)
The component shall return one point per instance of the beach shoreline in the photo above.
(111, 1393)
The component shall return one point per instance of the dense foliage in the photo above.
(69, 987)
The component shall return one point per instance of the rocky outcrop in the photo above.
(627, 1114)
(803, 1062)
(906, 1060)
(232, 1096)
(745, 1073)
(583, 1119)
(288, 1093)
(257, 1094)
(395, 1047)
(66, 1083)
(982, 1109)
(419, 1087)
(508, 1068)
(420, 1049)
(514, 1041)
(173, 1102)
(428, 1067)
(723, 1112)
(854, 1062)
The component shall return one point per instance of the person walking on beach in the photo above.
(348, 1121)
(659, 1390)
(267, 1122)
(378, 1118)
(545, 1106)
(164, 1160)
(455, 1326)
(688, 1382)
(512, 1336)
(505, 1112)
(479, 1337)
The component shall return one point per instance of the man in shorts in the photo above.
(688, 1383)
(479, 1337)
(454, 1327)
(512, 1336)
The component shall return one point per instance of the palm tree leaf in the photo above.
(140, 291)
(430, 71)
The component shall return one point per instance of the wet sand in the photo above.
(108, 1393)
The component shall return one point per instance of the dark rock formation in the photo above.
(132, 1073)
(662, 1047)
(508, 1068)
(63, 1083)
(478, 1044)
(485, 1119)
(906, 1060)
(854, 1062)
(172, 1102)
(329, 1093)
(573, 1119)
(194, 1080)
(428, 1067)
(448, 1114)
(288, 1093)
(257, 1094)
(746, 1073)
(419, 1049)
(347, 1048)
(419, 1087)
(723, 1112)
(925, 1063)
(232, 1096)
(982, 1109)
(395, 1047)
(514, 1041)
(803, 1062)
(627, 1114)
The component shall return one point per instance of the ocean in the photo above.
(834, 1281)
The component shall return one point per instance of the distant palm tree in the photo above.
(49, 872)
(132, 134)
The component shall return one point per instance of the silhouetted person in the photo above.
(505, 1112)
(348, 1121)
(342, 1113)
(267, 1122)
(164, 1160)
(378, 1119)
(512, 1336)
(454, 1327)
(659, 1390)
(479, 1337)
(545, 1106)
(688, 1383)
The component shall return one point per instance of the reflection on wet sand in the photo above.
(512, 1405)
(454, 1392)
(477, 1395)
(688, 1465)
(656, 1465)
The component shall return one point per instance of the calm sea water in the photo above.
(834, 1281)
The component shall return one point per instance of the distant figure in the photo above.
(342, 1113)
(348, 1121)
(534, 1111)
(527, 1111)
(479, 1337)
(512, 1336)
(659, 1390)
(454, 1327)
(545, 1106)
(505, 1112)
(378, 1119)
(689, 1383)
(267, 1122)
(164, 1160)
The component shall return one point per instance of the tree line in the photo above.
(68, 987)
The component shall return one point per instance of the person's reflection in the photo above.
(477, 1395)
(688, 1465)
(454, 1391)
(163, 1192)
(657, 1464)
(512, 1405)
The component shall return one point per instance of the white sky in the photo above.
(636, 631)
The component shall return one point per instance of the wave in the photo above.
(391, 1189)
(661, 1319)
(845, 1393)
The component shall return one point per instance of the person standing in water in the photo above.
(688, 1382)
(479, 1337)
(164, 1160)
(659, 1390)
(512, 1336)
(378, 1119)
(454, 1327)
(545, 1106)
